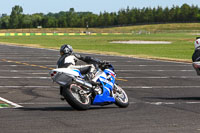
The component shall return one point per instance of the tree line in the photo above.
(66, 19)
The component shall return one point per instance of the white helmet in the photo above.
(197, 43)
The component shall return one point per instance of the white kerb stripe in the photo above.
(9, 102)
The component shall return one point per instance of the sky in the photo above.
(95, 6)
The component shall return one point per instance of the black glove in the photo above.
(104, 64)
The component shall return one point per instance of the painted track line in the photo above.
(6, 77)
(29, 86)
(41, 70)
(170, 103)
(155, 70)
(156, 65)
(150, 77)
(45, 103)
(11, 103)
(162, 77)
(158, 87)
(115, 70)
(124, 78)
(126, 87)
(157, 103)
(32, 61)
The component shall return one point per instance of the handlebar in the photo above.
(105, 65)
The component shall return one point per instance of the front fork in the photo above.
(116, 89)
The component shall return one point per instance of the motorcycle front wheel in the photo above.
(77, 97)
(121, 98)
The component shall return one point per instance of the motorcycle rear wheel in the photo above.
(121, 98)
(76, 98)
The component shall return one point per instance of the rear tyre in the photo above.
(121, 98)
(76, 97)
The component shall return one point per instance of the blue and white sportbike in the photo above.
(80, 93)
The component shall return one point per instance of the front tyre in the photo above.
(77, 97)
(121, 98)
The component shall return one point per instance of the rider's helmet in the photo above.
(197, 43)
(66, 49)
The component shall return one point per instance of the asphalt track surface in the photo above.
(164, 97)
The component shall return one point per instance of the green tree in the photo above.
(50, 22)
(62, 22)
(122, 17)
(70, 17)
(159, 15)
(172, 14)
(127, 16)
(100, 20)
(107, 19)
(4, 21)
(113, 17)
(16, 17)
(166, 15)
(27, 21)
(37, 19)
(185, 13)
(177, 15)
(194, 13)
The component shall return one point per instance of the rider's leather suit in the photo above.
(69, 60)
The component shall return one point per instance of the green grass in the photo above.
(181, 48)
(3, 105)
(153, 28)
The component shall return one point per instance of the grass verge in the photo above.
(153, 28)
(180, 49)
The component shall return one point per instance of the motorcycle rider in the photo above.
(69, 58)
(196, 55)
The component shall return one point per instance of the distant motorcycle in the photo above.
(80, 93)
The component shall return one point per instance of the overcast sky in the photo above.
(95, 6)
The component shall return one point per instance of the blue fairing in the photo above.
(108, 84)
(76, 70)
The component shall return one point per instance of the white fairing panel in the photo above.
(63, 75)
(67, 71)
(98, 74)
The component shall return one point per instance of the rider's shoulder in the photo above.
(70, 56)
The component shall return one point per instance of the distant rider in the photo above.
(196, 54)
